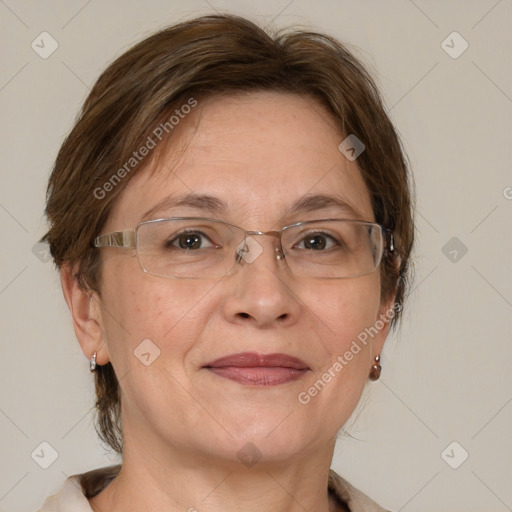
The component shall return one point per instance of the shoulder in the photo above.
(70, 498)
(74, 493)
(345, 492)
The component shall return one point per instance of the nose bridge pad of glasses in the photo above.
(249, 249)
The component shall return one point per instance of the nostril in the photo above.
(244, 315)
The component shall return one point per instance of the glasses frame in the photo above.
(127, 239)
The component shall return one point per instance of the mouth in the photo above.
(254, 369)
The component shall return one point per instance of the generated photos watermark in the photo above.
(152, 141)
(304, 397)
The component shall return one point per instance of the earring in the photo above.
(376, 369)
(92, 362)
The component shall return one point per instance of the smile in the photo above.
(259, 369)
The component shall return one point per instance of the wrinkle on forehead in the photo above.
(258, 152)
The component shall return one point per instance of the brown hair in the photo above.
(196, 59)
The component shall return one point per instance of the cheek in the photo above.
(347, 307)
(151, 325)
(343, 314)
(169, 313)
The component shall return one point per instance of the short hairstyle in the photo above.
(205, 57)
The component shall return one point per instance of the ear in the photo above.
(85, 308)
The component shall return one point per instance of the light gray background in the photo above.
(447, 375)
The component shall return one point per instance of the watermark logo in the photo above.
(454, 455)
(249, 454)
(249, 249)
(454, 45)
(351, 147)
(454, 249)
(44, 455)
(147, 352)
(41, 251)
(44, 45)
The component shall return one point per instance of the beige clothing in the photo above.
(73, 495)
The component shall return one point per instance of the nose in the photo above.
(261, 292)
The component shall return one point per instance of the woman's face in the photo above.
(258, 155)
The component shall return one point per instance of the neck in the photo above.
(181, 481)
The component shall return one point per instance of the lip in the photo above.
(255, 369)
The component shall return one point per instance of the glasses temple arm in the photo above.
(124, 238)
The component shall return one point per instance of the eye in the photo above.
(190, 240)
(317, 242)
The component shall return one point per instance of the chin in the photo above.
(273, 437)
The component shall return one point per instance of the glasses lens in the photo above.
(187, 248)
(333, 248)
(199, 248)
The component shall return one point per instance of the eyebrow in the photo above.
(306, 204)
(310, 203)
(197, 201)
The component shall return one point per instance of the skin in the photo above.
(183, 425)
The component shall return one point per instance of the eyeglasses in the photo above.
(195, 247)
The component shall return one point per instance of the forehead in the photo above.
(258, 153)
